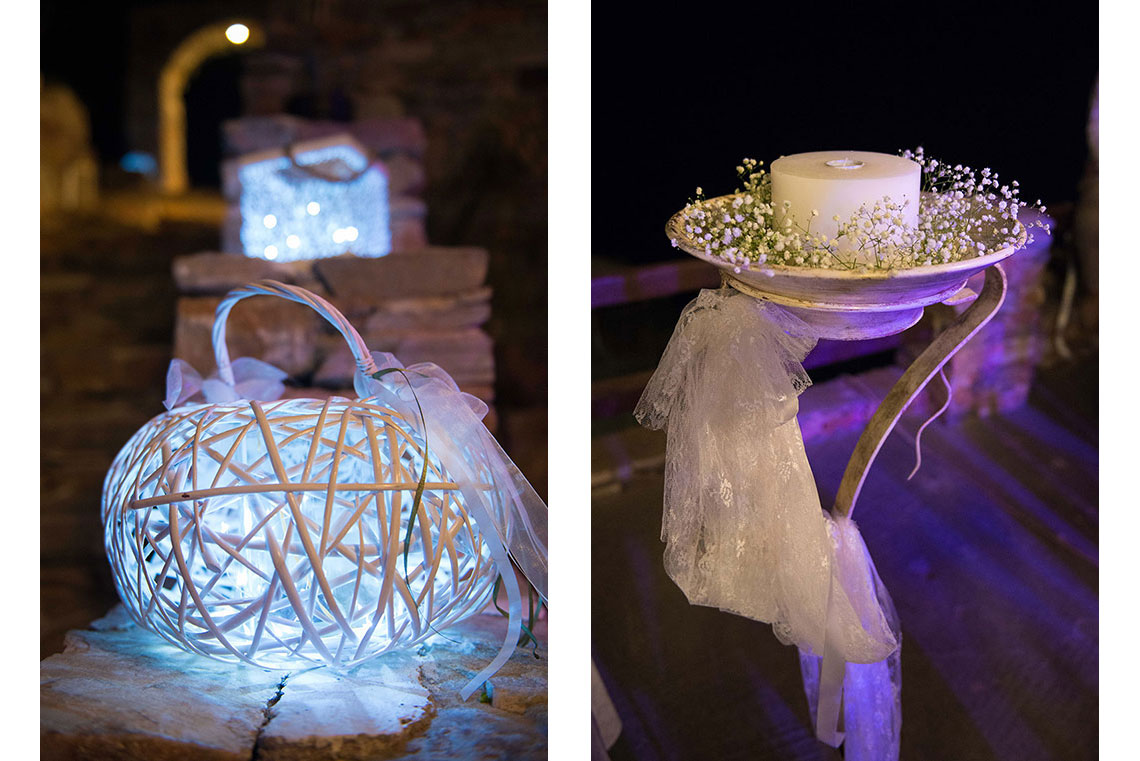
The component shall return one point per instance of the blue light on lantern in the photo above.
(323, 201)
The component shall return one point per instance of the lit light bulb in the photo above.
(292, 241)
(351, 233)
(270, 221)
(313, 208)
(338, 236)
(271, 252)
(237, 33)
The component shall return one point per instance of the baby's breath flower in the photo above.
(957, 219)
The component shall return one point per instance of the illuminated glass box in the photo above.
(313, 200)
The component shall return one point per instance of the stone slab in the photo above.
(466, 354)
(462, 310)
(380, 135)
(406, 207)
(126, 694)
(406, 175)
(408, 234)
(279, 332)
(434, 271)
(230, 238)
(361, 715)
(217, 273)
(120, 692)
(467, 364)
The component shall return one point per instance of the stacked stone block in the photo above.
(422, 303)
(423, 306)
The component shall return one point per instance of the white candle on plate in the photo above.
(839, 182)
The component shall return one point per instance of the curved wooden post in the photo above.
(928, 364)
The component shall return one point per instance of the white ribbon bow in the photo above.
(253, 379)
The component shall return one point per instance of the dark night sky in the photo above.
(84, 45)
(680, 97)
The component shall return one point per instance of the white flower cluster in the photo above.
(963, 215)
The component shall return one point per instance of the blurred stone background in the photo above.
(471, 78)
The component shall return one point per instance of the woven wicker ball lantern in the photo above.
(288, 532)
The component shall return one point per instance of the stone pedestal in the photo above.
(424, 306)
(120, 692)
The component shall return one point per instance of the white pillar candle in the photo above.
(838, 183)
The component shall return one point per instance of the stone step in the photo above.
(118, 691)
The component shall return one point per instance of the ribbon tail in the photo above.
(931, 419)
(872, 694)
(514, 601)
(872, 709)
(524, 532)
(832, 672)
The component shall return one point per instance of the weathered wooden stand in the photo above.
(853, 305)
(911, 384)
(928, 364)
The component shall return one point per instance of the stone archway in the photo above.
(205, 43)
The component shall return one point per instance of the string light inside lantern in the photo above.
(326, 200)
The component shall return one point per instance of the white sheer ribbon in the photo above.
(743, 526)
(253, 379)
(452, 420)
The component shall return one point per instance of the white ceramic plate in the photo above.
(848, 304)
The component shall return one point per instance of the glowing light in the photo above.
(271, 252)
(237, 33)
(138, 161)
(451, 576)
(318, 203)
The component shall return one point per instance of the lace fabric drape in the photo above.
(742, 523)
